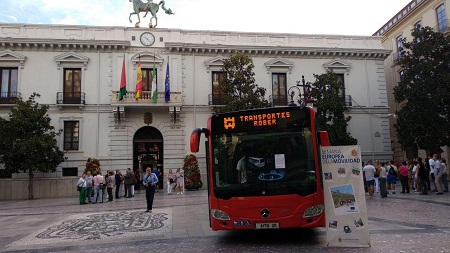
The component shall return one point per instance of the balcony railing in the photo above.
(70, 98)
(9, 97)
(130, 98)
(443, 27)
(280, 101)
(215, 100)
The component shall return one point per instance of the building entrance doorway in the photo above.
(148, 146)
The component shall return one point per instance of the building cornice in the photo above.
(400, 17)
(23, 43)
(311, 52)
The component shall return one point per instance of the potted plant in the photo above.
(192, 178)
(93, 166)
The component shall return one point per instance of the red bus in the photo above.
(263, 169)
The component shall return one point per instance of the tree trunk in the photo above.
(30, 184)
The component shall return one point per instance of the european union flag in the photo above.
(167, 85)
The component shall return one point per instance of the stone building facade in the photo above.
(77, 71)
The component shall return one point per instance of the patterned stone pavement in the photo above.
(98, 226)
(179, 223)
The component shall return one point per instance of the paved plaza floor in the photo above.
(179, 223)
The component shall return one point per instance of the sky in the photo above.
(345, 17)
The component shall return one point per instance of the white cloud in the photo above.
(10, 17)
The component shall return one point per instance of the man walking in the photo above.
(150, 181)
(369, 173)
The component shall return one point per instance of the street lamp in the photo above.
(294, 91)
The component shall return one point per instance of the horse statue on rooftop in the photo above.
(153, 8)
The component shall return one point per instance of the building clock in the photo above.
(147, 39)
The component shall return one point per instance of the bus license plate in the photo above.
(267, 226)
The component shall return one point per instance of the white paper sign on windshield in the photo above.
(280, 162)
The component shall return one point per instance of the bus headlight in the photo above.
(219, 214)
(313, 211)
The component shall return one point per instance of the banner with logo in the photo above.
(345, 202)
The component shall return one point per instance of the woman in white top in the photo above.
(170, 181)
(180, 180)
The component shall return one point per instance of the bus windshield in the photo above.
(277, 161)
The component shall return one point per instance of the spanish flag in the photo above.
(139, 81)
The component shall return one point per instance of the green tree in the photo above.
(239, 89)
(327, 90)
(423, 92)
(28, 141)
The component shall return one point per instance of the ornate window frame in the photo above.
(214, 64)
(11, 59)
(147, 59)
(279, 65)
(71, 60)
(338, 66)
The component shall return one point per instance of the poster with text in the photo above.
(345, 202)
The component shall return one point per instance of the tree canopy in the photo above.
(327, 90)
(423, 91)
(239, 89)
(28, 140)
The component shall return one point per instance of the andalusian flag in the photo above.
(154, 89)
(139, 81)
(123, 83)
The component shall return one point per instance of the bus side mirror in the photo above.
(195, 140)
(323, 139)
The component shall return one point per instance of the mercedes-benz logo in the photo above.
(265, 213)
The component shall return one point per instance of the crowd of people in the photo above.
(92, 188)
(419, 175)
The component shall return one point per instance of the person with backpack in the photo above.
(392, 175)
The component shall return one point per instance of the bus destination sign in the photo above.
(260, 119)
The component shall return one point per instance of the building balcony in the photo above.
(215, 100)
(70, 98)
(278, 101)
(146, 99)
(443, 27)
(9, 98)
